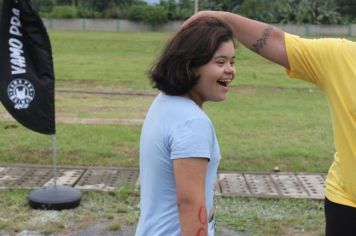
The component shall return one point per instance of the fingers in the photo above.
(199, 15)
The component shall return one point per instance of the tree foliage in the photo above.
(347, 8)
(270, 11)
(292, 11)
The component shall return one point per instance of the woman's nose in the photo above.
(230, 69)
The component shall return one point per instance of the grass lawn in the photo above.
(267, 120)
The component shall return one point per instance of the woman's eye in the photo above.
(221, 62)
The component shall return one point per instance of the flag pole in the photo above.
(55, 197)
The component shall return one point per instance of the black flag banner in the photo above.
(26, 67)
(27, 88)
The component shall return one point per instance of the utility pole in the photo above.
(196, 6)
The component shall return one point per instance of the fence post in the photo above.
(83, 24)
(50, 23)
(307, 29)
(117, 25)
(350, 29)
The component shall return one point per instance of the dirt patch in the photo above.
(292, 231)
(254, 90)
(98, 121)
(82, 121)
(108, 91)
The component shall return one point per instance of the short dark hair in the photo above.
(193, 46)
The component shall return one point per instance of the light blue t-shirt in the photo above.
(175, 127)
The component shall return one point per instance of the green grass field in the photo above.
(267, 120)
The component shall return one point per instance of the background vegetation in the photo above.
(271, 11)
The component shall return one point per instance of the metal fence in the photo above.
(118, 25)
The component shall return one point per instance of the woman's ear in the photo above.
(191, 72)
(195, 72)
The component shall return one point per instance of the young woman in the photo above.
(179, 151)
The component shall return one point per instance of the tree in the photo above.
(65, 2)
(347, 8)
(263, 10)
(44, 6)
(155, 15)
(102, 5)
(318, 12)
(220, 5)
(178, 11)
(292, 11)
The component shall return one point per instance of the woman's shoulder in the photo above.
(178, 108)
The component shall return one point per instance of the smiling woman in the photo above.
(179, 151)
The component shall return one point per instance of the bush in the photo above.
(134, 12)
(111, 11)
(155, 15)
(85, 12)
(63, 12)
(149, 14)
(43, 6)
(261, 10)
(95, 5)
(180, 13)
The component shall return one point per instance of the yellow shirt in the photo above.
(331, 65)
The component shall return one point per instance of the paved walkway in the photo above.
(245, 184)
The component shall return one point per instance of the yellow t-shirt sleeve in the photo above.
(310, 59)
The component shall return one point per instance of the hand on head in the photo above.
(215, 14)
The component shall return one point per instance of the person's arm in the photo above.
(264, 39)
(190, 176)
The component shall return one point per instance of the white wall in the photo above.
(118, 25)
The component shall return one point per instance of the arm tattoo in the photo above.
(201, 232)
(261, 42)
(202, 215)
(203, 218)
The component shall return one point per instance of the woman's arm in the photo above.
(190, 176)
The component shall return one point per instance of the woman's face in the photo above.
(215, 76)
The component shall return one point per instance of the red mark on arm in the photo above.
(201, 232)
(202, 215)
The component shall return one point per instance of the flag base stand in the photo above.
(55, 198)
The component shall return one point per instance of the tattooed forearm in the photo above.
(261, 42)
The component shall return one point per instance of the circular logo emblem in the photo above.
(21, 92)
